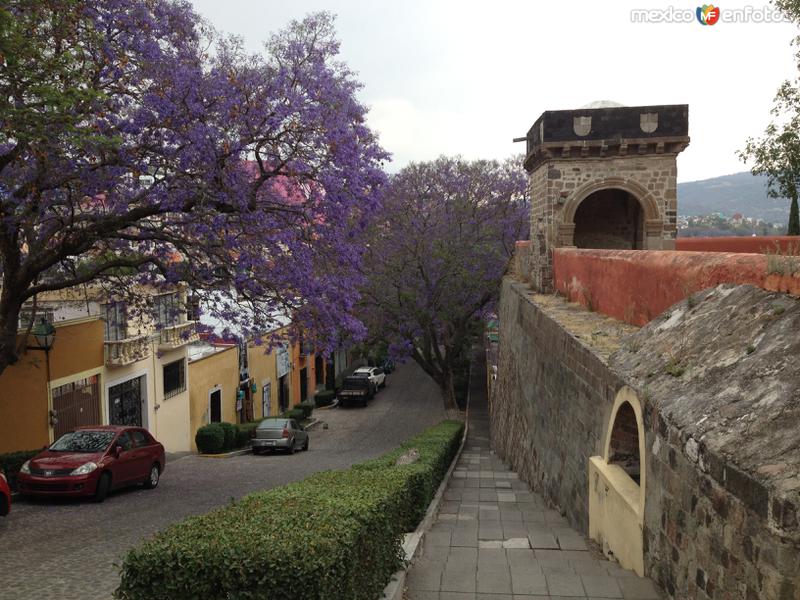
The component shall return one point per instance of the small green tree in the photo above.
(777, 153)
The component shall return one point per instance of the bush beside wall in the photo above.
(335, 536)
(210, 439)
(324, 398)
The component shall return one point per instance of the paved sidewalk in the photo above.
(495, 540)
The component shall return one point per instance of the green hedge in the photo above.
(247, 431)
(325, 398)
(307, 406)
(335, 536)
(231, 433)
(11, 462)
(296, 413)
(210, 439)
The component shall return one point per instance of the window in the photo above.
(115, 317)
(125, 441)
(140, 439)
(174, 378)
(26, 313)
(166, 310)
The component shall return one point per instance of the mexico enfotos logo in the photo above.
(708, 14)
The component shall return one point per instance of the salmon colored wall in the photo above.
(637, 285)
(24, 403)
(758, 245)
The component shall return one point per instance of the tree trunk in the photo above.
(794, 218)
(8, 344)
(448, 392)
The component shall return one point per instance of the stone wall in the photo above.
(558, 186)
(553, 396)
(717, 380)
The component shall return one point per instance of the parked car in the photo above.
(356, 389)
(388, 366)
(376, 375)
(278, 433)
(91, 461)
(5, 496)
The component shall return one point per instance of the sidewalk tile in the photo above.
(563, 584)
(601, 586)
(531, 583)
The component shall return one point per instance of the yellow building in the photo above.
(28, 417)
(276, 379)
(214, 376)
(105, 367)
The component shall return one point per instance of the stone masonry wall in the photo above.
(554, 184)
(722, 464)
(553, 396)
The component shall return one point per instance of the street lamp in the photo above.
(45, 335)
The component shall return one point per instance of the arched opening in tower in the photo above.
(623, 450)
(611, 219)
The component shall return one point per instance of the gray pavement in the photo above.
(495, 540)
(67, 549)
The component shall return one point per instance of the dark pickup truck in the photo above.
(355, 391)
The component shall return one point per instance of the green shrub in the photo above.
(324, 398)
(230, 431)
(11, 462)
(307, 406)
(210, 439)
(296, 413)
(249, 429)
(336, 535)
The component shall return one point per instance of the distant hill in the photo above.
(738, 193)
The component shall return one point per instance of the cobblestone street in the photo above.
(66, 550)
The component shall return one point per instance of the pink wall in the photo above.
(637, 285)
(758, 245)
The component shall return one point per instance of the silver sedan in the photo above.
(279, 433)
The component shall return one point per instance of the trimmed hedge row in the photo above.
(324, 398)
(334, 536)
(215, 438)
(11, 462)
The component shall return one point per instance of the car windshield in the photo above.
(272, 424)
(83, 441)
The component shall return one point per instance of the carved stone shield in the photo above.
(648, 122)
(582, 125)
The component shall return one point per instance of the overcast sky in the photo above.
(465, 78)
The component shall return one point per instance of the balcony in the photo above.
(125, 352)
(175, 336)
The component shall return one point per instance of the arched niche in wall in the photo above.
(617, 481)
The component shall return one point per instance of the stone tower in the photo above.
(603, 178)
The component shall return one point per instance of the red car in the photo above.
(5, 496)
(91, 461)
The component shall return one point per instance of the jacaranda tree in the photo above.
(138, 147)
(437, 253)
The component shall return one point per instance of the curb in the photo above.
(333, 404)
(231, 454)
(312, 423)
(412, 541)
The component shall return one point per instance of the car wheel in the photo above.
(4, 505)
(103, 486)
(305, 446)
(290, 449)
(153, 477)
